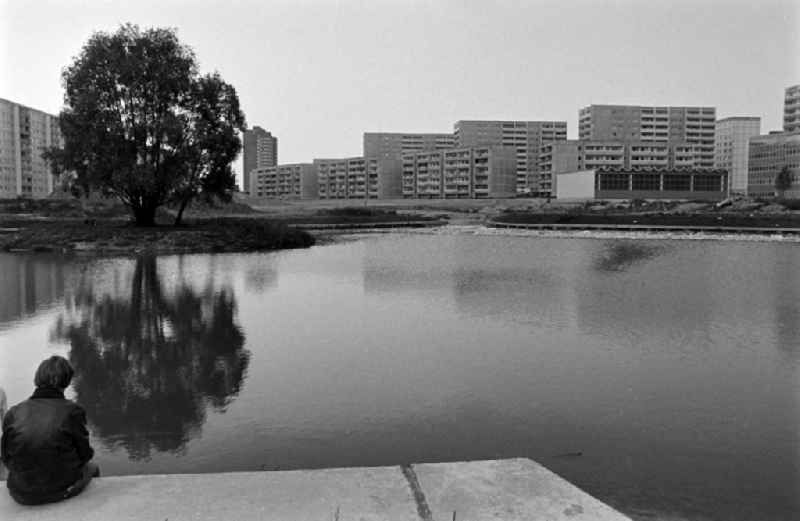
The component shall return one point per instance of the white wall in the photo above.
(574, 185)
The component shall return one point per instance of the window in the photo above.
(707, 183)
(646, 181)
(613, 181)
(677, 182)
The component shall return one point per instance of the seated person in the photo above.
(45, 444)
(3, 407)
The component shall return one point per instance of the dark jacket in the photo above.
(45, 445)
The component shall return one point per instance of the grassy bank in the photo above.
(119, 237)
(103, 227)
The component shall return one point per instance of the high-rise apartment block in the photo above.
(731, 149)
(525, 137)
(693, 125)
(573, 155)
(791, 109)
(392, 145)
(358, 178)
(25, 133)
(460, 173)
(290, 181)
(260, 150)
(768, 155)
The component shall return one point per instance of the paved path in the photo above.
(515, 489)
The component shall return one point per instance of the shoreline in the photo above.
(333, 236)
(258, 233)
(120, 238)
(510, 489)
(322, 236)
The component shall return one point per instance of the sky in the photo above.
(320, 73)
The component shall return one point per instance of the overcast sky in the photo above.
(320, 73)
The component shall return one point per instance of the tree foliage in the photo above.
(783, 181)
(141, 123)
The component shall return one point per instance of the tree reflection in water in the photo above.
(147, 366)
(621, 255)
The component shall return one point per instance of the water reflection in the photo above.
(654, 299)
(786, 301)
(620, 255)
(28, 283)
(261, 275)
(148, 361)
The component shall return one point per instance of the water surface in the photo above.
(661, 376)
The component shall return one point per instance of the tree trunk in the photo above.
(145, 215)
(179, 216)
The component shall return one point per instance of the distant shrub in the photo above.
(354, 211)
(789, 204)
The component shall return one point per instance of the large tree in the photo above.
(140, 123)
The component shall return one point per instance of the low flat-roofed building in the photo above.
(290, 181)
(651, 183)
(579, 155)
(358, 178)
(460, 173)
(768, 154)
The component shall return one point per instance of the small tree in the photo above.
(141, 124)
(783, 181)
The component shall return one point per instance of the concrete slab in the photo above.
(513, 489)
(368, 494)
(506, 489)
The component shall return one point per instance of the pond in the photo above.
(661, 376)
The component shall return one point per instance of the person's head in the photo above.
(54, 372)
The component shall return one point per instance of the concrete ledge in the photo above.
(514, 489)
(506, 489)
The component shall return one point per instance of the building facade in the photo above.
(651, 183)
(525, 137)
(574, 155)
(768, 154)
(260, 149)
(731, 142)
(460, 173)
(392, 145)
(693, 125)
(358, 178)
(791, 109)
(25, 133)
(290, 181)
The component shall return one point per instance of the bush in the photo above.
(789, 204)
(355, 211)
